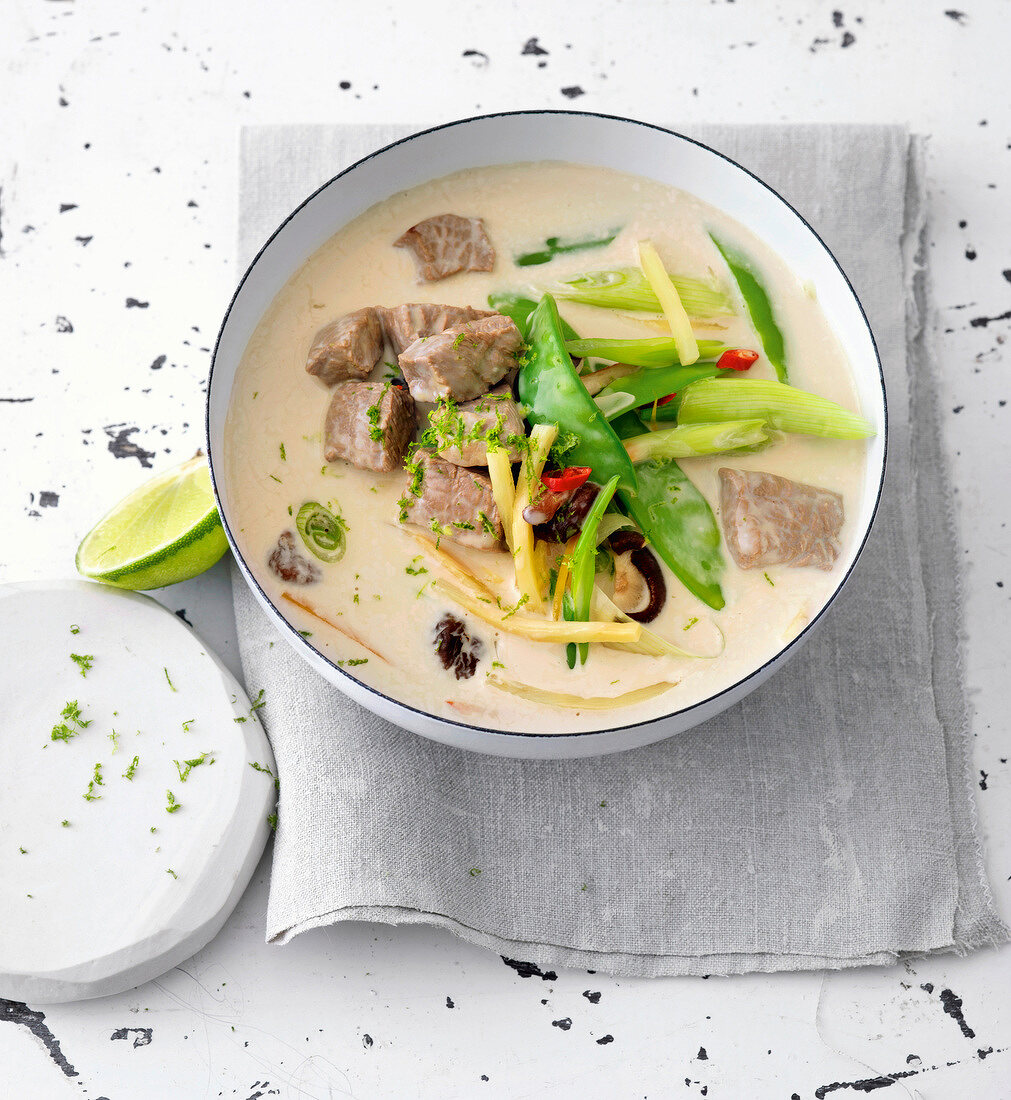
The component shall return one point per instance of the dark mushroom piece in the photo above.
(647, 580)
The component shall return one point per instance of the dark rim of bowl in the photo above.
(297, 638)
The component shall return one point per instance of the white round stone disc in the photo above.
(101, 886)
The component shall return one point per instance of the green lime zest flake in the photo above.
(169, 679)
(83, 661)
(259, 701)
(510, 611)
(474, 872)
(691, 622)
(353, 661)
(186, 725)
(74, 628)
(603, 804)
(184, 771)
(114, 738)
(169, 871)
(72, 713)
(323, 532)
(305, 634)
(23, 851)
(131, 770)
(284, 457)
(258, 767)
(769, 579)
(413, 570)
(153, 829)
(65, 823)
(277, 479)
(272, 822)
(96, 781)
(374, 412)
(172, 806)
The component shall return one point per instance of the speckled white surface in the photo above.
(117, 214)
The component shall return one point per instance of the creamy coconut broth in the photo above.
(381, 590)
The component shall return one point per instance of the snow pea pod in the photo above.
(553, 394)
(676, 519)
(759, 307)
(518, 308)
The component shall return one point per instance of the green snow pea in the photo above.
(676, 520)
(553, 394)
(519, 308)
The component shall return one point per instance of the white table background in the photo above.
(118, 141)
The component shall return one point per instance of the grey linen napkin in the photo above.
(826, 821)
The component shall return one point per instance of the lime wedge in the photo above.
(165, 531)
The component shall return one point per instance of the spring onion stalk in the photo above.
(584, 559)
(756, 299)
(556, 246)
(503, 488)
(614, 404)
(650, 384)
(541, 438)
(627, 288)
(611, 522)
(781, 406)
(537, 629)
(689, 440)
(673, 310)
(649, 644)
(562, 579)
(580, 702)
(654, 351)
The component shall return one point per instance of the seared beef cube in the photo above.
(347, 348)
(409, 322)
(770, 520)
(453, 502)
(369, 424)
(496, 415)
(446, 244)
(464, 361)
(290, 565)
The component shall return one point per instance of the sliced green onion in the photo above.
(656, 351)
(782, 406)
(323, 533)
(614, 403)
(689, 440)
(650, 384)
(555, 246)
(584, 559)
(628, 288)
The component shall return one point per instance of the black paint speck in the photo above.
(344, 85)
(837, 18)
(983, 776)
(927, 987)
(191, 203)
(366, 1040)
(573, 92)
(135, 303)
(478, 59)
(532, 46)
(563, 1025)
(593, 998)
(958, 16)
(970, 253)
(142, 1035)
(158, 363)
(16, 1012)
(247, 95)
(957, 409)
(847, 39)
(1007, 273)
(604, 1040)
(65, 206)
(84, 241)
(181, 613)
(530, 970)
(981, 1054)
(63, 324)
(484, 1076)
(702, 1056)
(122, 446)
(48, 499)
(982, 322)
(449, 1003)
(953, 1006)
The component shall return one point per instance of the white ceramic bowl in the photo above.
(531, 136)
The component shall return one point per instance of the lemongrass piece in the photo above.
(541, 438)
(536, 629)
(448, 562)
(598, 379)
(627, 288)
(346, 631)
(652, 351)
(650, 644)
(562, 579)
(783, 407)
(670, 303)
(503, 488)
(581, 702)
(689, 440)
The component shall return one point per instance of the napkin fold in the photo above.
(825, 821)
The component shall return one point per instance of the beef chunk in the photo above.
(368, 424)
(495, 414)
(289, 564)
(409, 322)
(454, 502)
(446, 244)
(770, 520)
(456, 648)
(464, 361)
(348, 347)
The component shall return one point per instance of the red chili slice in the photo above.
(668, 399)
(561, 481)
(737, 359)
